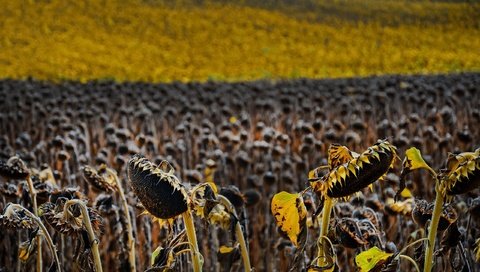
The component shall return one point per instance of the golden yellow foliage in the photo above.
(414, 160)
(290, 213)
(372, 258)
(154, 41)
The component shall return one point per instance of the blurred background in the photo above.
(163, 41)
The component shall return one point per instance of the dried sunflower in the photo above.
(355, 173)
(99, 179)
(69, 221)
(16, 220)
(422, 213)
(462, 173)
(348, 232)
(164, 258)
(14, 168)
(159, 190)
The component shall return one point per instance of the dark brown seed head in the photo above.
(16, 219)
(349, 234)
(14, 168)
(422, 213)
(252, 197)
(358, 172)
(98, 179)
(160, 192)
(234, 195)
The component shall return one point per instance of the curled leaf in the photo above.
(413, 161)
(290, 214)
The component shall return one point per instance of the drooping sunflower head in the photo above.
(99, 179)
(422, 213)
(14, 168)
(462, 173)
(355, 172)
(159, 190)
(16, 219)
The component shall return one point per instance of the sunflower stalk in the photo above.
(33, 196)
(192, 239)
(88, 225)
(432, 229)
(131, 241)
(327, 209)
(12, 207)
(239, 235)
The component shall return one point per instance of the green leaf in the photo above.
(154, 255)
(368, 260)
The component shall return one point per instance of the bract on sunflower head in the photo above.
(357, 172)
(462, 173)
(159, 190)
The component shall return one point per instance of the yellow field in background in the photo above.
(154, 41)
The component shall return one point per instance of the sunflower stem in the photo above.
(88, 225)
(131, 241)
(408, 258)
(45, 233)
(192, 239)
(327, 209)
(432, 229)
(239, 233)
(33, 196)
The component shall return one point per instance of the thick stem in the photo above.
(243, 247)
(33, 196)
(93, 240)
(327, 209)
(432, 230)
(192, 239)
(45, 233)
(131, 241)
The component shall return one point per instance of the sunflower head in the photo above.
(100, 179)
(352, 172)
(422, 213)
(159, 190)
(14, 168)
(349, 234)
(462, 173)
(16, 219)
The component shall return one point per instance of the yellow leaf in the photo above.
(414, 160)
(225, 249)
(367, 260)
(406, 193)
(290, 213)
